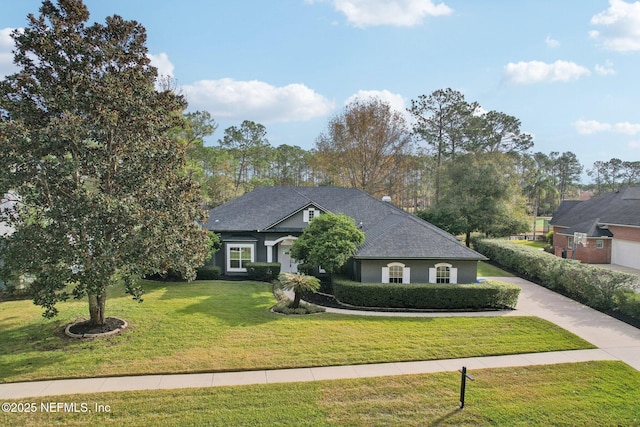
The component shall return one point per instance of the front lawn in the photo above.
(532, 243)
(222, 326)
(578, 394)
(486, 269)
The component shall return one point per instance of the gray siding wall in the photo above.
(294, 222)
(371, 270)
(257, 239)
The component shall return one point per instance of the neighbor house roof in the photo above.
(590, 216)
(389, 231)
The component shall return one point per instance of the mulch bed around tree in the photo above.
(83, 328)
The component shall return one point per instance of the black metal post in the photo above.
(463, 384)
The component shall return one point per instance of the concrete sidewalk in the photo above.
(615, 341)
(158, 382)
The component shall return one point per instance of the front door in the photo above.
(287, 264)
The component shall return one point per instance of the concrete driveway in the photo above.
(611, 335)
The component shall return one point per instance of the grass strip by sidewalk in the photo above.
(223, 326)
(591, 393)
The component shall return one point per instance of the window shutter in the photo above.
(406, 275)
(316, 213)
(305, 215)
(432, 275)
(385, 274)
(453, 275)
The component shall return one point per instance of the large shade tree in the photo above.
(483, 198)
(364, 146)
(101, 189)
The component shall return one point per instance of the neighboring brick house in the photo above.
(611, 222)
(398, 248)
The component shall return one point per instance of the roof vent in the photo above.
(386, 199)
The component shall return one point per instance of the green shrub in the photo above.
(305, 268)
(445, 296)
(589, 284)
(208, 272)
(263, 271)
(549, 238)
(286, 307)
(628, 303)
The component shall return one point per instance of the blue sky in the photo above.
(567, 69)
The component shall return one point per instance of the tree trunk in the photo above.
(296, 300)
(468, 238)
(96, 309)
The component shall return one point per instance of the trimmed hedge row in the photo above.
(594, 286)
(208, 272)
(475, 296)
(263, 271)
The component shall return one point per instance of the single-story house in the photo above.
(611, 223)
(399, 247)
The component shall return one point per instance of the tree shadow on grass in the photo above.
(22, 366)
(35, 337)
(29, 347)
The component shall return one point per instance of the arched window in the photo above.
(396, 272)
(443, 273)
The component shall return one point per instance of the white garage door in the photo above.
(625, 253)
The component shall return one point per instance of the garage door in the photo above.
(625, 253)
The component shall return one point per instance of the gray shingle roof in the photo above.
(590, 227)
(618, 207)
(390, 232)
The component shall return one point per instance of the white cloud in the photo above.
(401, 13)
(588, 127)
(619, 26)
(396, 101)
(256, 100)
(627, 128)
(606, 69)
(6, 56)
(551, 42)
(536, 72)
(162, 63)
(634, 145)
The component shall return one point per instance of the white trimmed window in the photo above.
(238, 255)
(443, 273)
(396, 272)
(599, 244)
(309, 214)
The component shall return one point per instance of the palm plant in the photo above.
(298, 283)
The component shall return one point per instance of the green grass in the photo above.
(489, 270)
(534, 244)
(223, 326)
(580, 394)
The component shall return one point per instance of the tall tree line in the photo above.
(370, 146)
